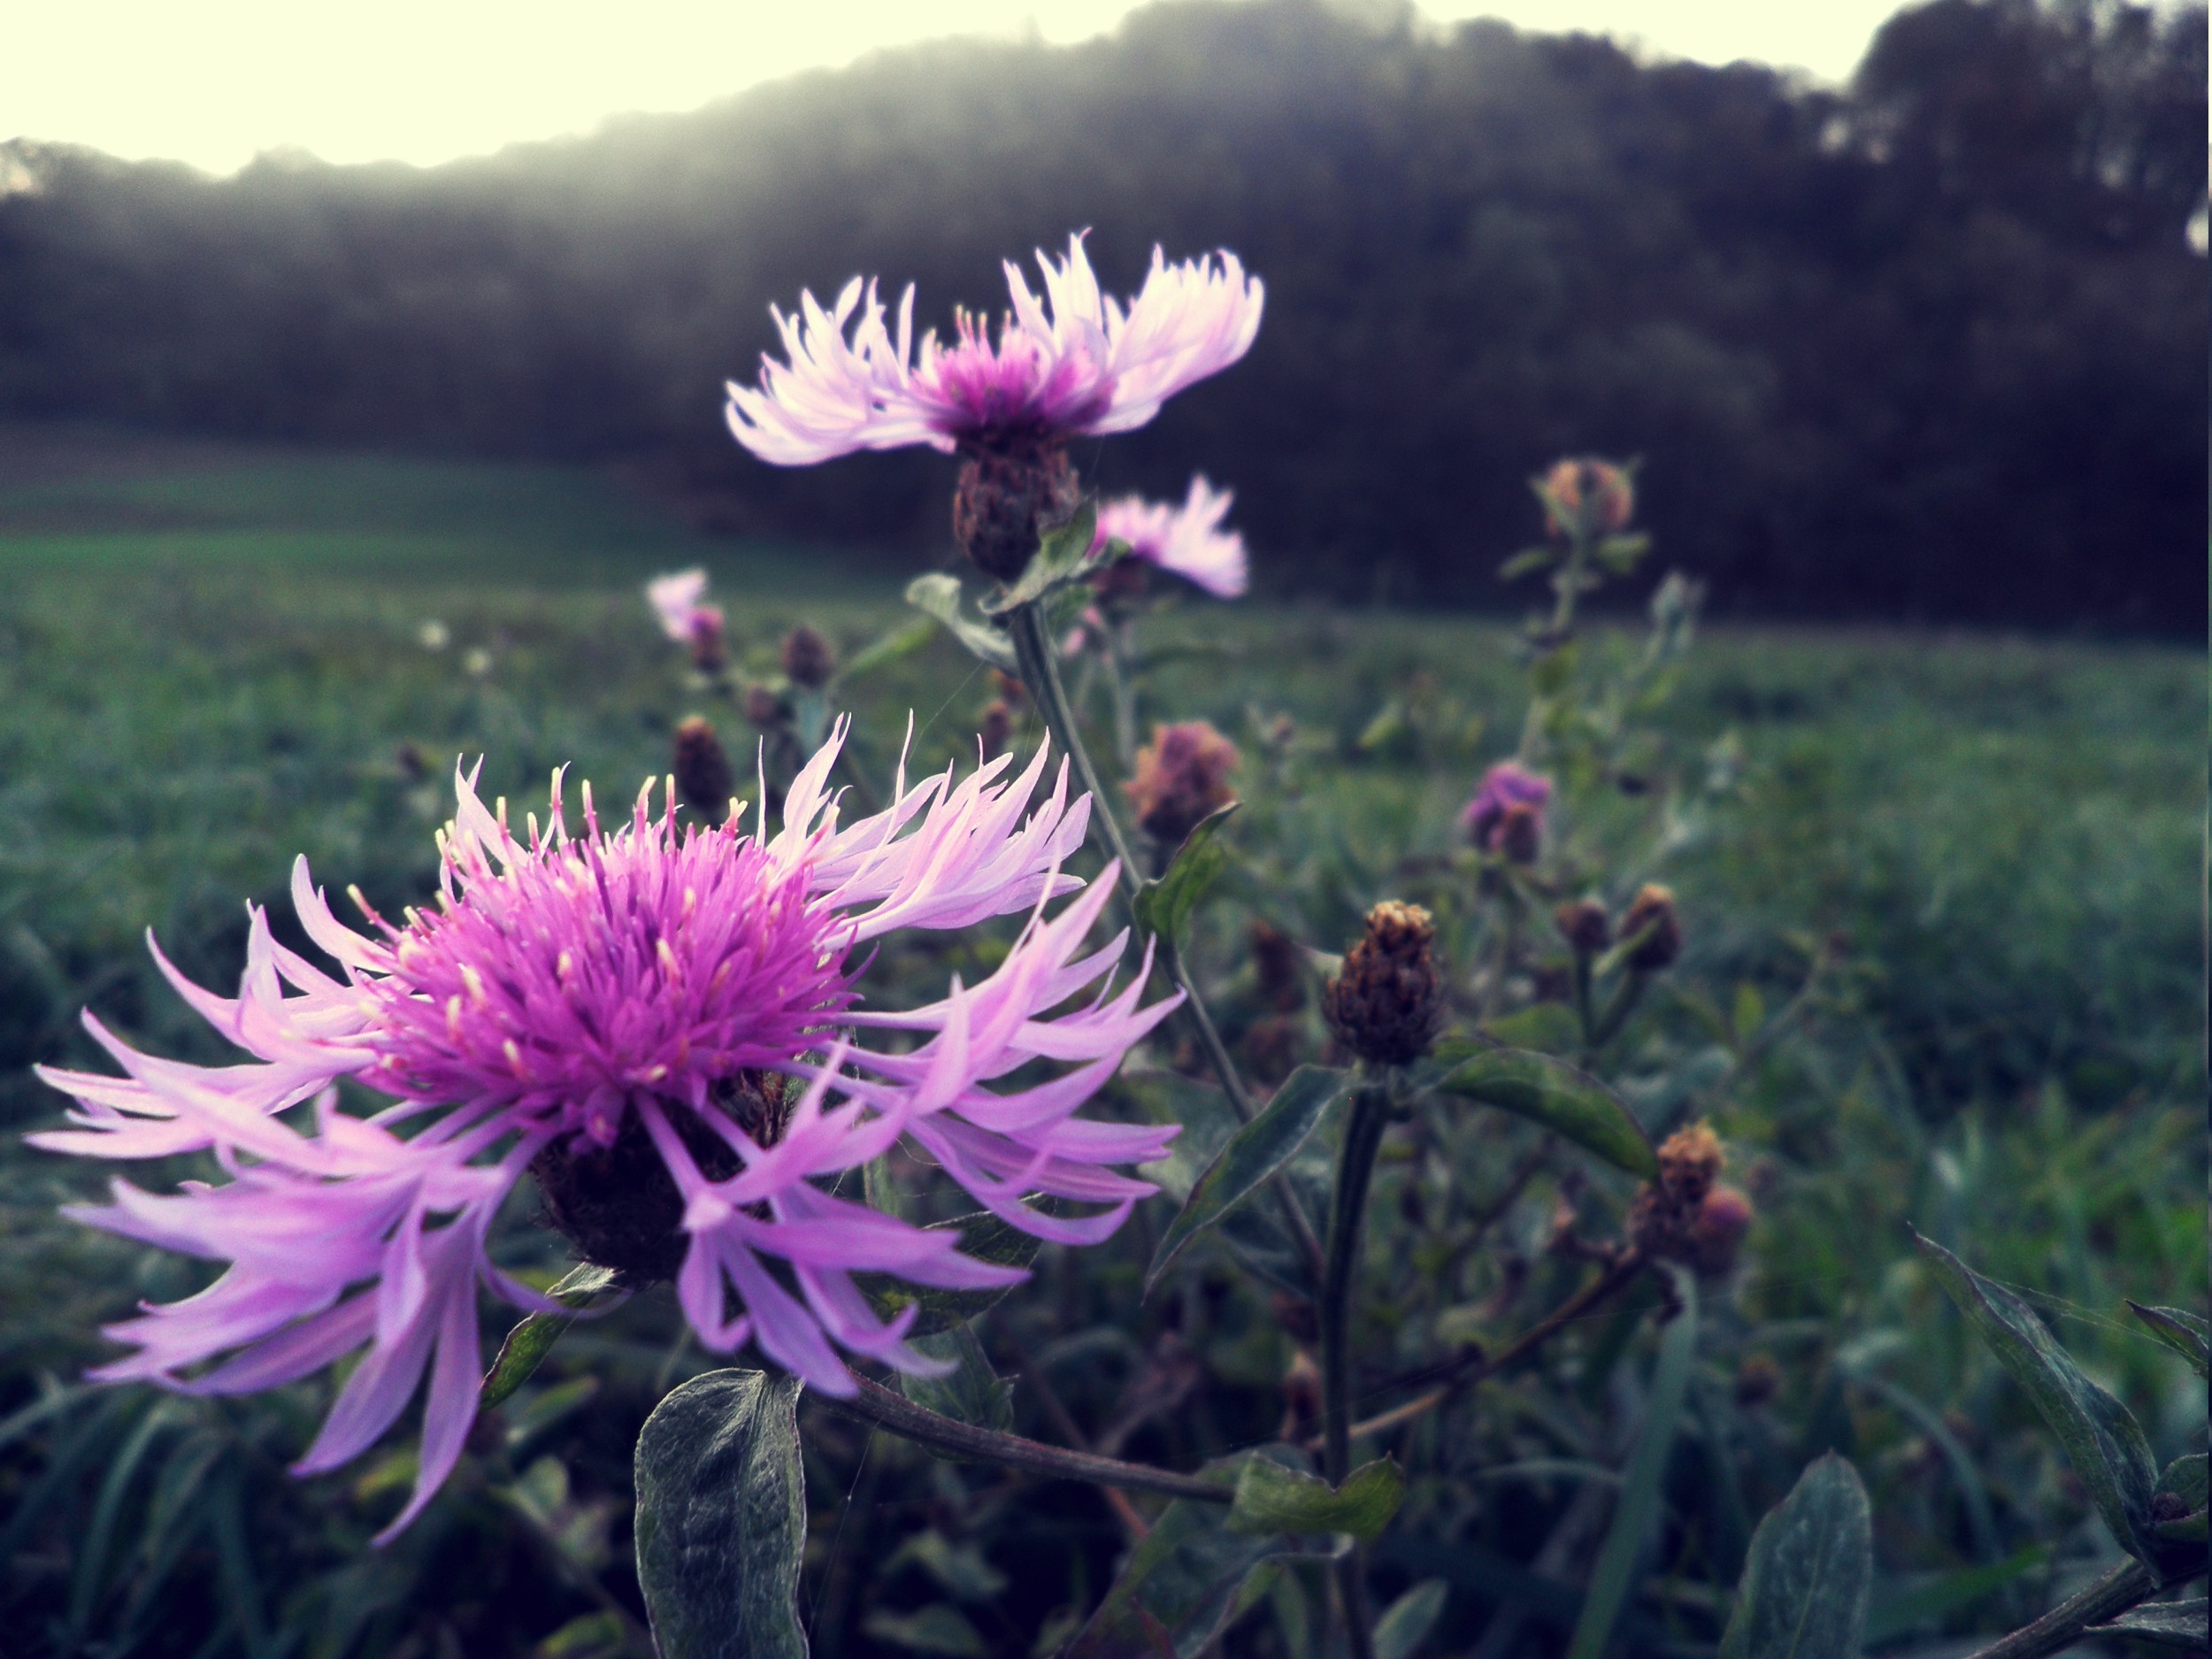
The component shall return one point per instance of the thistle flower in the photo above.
(1180, 777)
(619, 1013)
(1587, 496)
(1187, 539)
(1386, 1004)
(678, 600)
(1505, 787)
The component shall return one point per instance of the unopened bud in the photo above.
(709, 650)
(1651, 914)
(1685, 1216)
(703, 769)
(808, 659)
(1717, 1232)
(1277, 965)
(1519, 836)
(997, 728)
(1589, 497)
(1011, 692)
(1003, 503)
(1386, 1003)
(1181, 777)
(1582, 923)
(763, 708)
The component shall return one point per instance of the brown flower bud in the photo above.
(703, 778)
(1589, 497)
(1717, 1232)
(1653, 909)
(1279, 967)
(1583, 924)
(1757, 1380)
(1010, 691)
(1182, 776)
(1004, 501)
(808, 659)
(1384, 1005)
(763, 708)
(1684, 1217)
(1519, 835)
(997, 728)
(709, 650)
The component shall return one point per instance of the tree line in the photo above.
(1930, 347)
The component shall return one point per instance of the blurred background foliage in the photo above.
(1930, 347)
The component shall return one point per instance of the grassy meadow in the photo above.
(211, 660)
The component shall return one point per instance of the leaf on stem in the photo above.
(721, 1519)
(898, 644)
(937, 595)
(982, 1236)
(1063, 556)
(1254, 1154)
(1163, 906)
(2184, 1624)
(1273, 1497)
(1568, 1102)
(530, 1341)
(971, 1392)
(1529, 559)
(2102, 1438)
(1406, 1622)
(2183, 1331)
(1811, 1567)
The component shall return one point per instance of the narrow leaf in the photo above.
(1166, 904)
(530, 1341)
(1254, 1154)
(937, 595)
(1406, 1622)
(1063, 555)
(1529, 559)
(881, 653)
(971, 1392)
(2184, 1333)
(1811, 1566)
(2184, 1624)
(1272, 1497)
(2101, 1436)
(721, 1519)
(1566, 1100)
(1621, 1556)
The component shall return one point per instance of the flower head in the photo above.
(679, 601)
(1506, 786)
(659, 1023)
(1186, 539)
(1075, 363)
(1181, 777)
(1386, 1002)
(1587, 497)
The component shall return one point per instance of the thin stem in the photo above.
(1617, 1011)
(2126, 1585)
(1121, 683)
(1033, 652)
(1347, 1215)
(874, 1403)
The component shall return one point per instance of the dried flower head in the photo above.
(1652, 914)
(808, 658)
(1386, 1004)
(1686, 1215)
(704, 782)
(1586, 496)
(1188, 541)
(1507, 785)
(1181, 777)
(659, 1023)
(1582, 923)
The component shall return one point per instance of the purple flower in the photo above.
(1505, 786)
(1087, 366)
(1187, 539)
(677, 599)
(617, 1012)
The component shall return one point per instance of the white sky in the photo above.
(215, 82)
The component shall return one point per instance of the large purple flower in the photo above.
(1087, 367)
(1187, 539)
(627, 1014)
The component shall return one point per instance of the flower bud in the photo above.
(808, 659)
(1519, 836)
(1386, 1003)
(1589, 497)
(1582, 923)
(1652, 914)
(710, 652)
(1277, 965)
(1507, 785)
(997, 728)
(703, 778)
(1717, 1230)
(1685, 1215)
(1181, 777)
(763, 708)
(1757, 1380)
(1005, 499)
(1011, 692)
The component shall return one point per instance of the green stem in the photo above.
(1121, 682)
(1617, 1011)
(1347, 1215)
(1040, 672)
(2126, 1585)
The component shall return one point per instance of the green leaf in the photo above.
(1191, 1577)
(1750, 1013)
(971, 1392)
(1932, 1597)
(530, 1341)
(1546, 1027)
(2184, 1333)
(935, 1629)
(1811, 1566)
(1063, 556)
(898, 644)
(937, 595)
(1406, 1622)
(1254, 1154)
(1529, 559)
(1272, 1497)
(1620, 553)
(2102, 1438)
(1163, 905)
(1637, 1512)
(2185, 1625)
(721, 1519)
(982, 1236)
(960, 1569)
(2185, 1479)
(1552, 1092)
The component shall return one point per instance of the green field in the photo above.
(211, 660)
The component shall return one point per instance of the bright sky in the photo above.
(215, 82)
